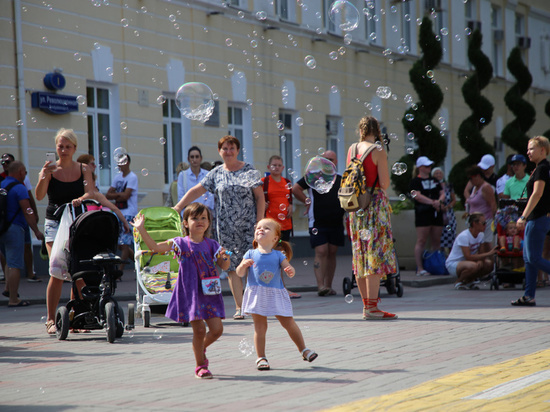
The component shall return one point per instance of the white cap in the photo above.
(423, 161)
(486, 162)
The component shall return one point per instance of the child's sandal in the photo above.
(202, 372)
(262, 364)
(311, 355)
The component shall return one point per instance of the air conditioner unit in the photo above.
(474, 25)
(524, 42)
(498, 35)
(434, 5)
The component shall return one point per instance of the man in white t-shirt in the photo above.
(124, 192)
(464, 261)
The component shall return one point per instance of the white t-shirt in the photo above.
(120, 183)
(464, 239)
(501, 183)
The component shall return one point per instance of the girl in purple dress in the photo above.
(197, 295)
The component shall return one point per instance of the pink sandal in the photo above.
(202, 372)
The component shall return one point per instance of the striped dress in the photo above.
(265, 293)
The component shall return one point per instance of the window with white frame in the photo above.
(285, 135)
(286, 9)
(99, 139)
(498, 40)
(172, 133)
(333, 131)
(235, 124)
(372, 19)
(406, 28)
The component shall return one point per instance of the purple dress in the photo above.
(188, 302)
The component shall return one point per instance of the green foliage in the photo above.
(514, 133)
(469, 131)
(426, 134)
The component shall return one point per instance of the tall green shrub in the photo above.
(419, 121)
(469, 131)
(514, 133)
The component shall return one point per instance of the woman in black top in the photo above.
(535, 218)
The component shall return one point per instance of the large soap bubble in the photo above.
(195, 101)
(320, 174)
(344, 15)
(120, 156)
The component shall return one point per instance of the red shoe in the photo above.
(377, 314)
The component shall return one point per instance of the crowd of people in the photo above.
(251, 226)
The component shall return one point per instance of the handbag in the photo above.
(59, 257)
(211, 286)
(434, 263)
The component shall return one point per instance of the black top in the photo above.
(492, 180)
(325, 210)
(541, 172)
(60, 193)
(429, 187)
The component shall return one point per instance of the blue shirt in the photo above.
(187, 179)
(16, 193)
(266, 270)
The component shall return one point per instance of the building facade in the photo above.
(287, 78)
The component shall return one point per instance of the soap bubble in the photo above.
(299, 121)
(333, 55)
(314, 231)
(402, 197)
(157, 334)
(320, 174)
(413, 193)
(304, 262)
(344, 14)
(399, 168)
(261, 15)
(409, 117)
(364, 235)
(80, 99)
(281, 216)
(307, 202)
(310, 61)
(120, 156)
(246, 347)
(144, 172)
(123, 125)
(348, 298)
(161, 99)
(428, 128)
(195, 101)
(360, 213)
(29, 211)
(77, 57)
(162, 140)
(384, 92)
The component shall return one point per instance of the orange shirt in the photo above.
(278, 202)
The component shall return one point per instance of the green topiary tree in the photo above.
(419, 121)
(547, 111)
(469, 131)
(514, 133)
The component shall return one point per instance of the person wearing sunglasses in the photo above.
(465, 262)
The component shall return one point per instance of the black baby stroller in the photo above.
(92, 242)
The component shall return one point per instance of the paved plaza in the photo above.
(449, 350)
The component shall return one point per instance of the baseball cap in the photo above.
(518, 158)
(486, 162)
(423, 161)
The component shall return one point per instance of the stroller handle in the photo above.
(59, 211)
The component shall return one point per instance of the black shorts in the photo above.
(285, 235)
(428, 218)
(322, 235)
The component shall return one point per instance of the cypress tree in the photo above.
(514, 133)
(419, 121)
(469, 131)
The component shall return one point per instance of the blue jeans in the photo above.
(533, 242)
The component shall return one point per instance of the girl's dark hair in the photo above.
(281, 244)
(194, 210)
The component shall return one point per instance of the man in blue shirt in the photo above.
(12, 242)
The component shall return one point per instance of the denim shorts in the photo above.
(12, 244)
(50, 230)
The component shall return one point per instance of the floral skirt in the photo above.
(372, 238)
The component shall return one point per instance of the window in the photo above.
(99, 138)
(371, 21)
(172, 132)
(333, 133)
(286, 140)
(498, 37)
(284, 9)
(235, 125)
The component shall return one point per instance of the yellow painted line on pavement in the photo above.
(518, 384)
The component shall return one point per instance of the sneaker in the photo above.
(461, 286)
(524, 301)
(34, 279)
(474, 285)
(423, 273)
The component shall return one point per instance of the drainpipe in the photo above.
(21, 83)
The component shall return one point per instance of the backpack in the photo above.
(353, 193)
(4, 222)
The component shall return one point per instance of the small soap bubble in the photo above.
(172, 18)
(282, 207)
(29, 211)
(144, 172)
(333, 89)
(448, 228)
(402, 197)
(307, 201)
(482, 120)
(202, 67)
(348, 298)
(246, 347)
(430, 74)
(19, 122)
(333, 55)
(255, 135)
(43, 319)
(364, 235)
(299, 121)
(314, 231)
(305, 262)
(123, 125)
(261, 15)
(428, 128)
(161, 100)
(281, 216)
(124, 22)
(360, 213)
(413, 193)
(410, 150)
(77, 57)
(228, 41)
(310, 61)
(384, 92)
(409, 117)
(280, 125)
(80, 99)
(309, 107)
(162, 140)
(157, 334)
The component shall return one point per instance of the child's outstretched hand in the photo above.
(139, 222)
(290, 272)
(246, 263)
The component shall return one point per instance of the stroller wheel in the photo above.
(120, 322)
(399, 289)
(146, 318)
(347, 286)
(131, 315)
(62, 322)
(111, 321)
